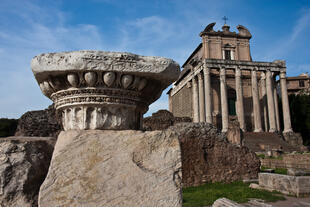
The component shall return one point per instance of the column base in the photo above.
(258, 130)
(209, 120)
(272, 130)
(287, 130)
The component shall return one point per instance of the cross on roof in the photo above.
(225, 19)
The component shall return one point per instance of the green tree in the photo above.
(7, 127)
(300, 115)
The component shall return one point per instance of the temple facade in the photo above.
(220, 82)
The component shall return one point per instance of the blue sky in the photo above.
(168, 28)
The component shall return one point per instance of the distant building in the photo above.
(298, 84)
(219, 82)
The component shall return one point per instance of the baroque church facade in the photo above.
(220, 82)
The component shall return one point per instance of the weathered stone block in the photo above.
(114, 168)
(224, 202)
(290, 185)
(24, 163)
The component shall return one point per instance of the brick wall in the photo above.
(181, 102)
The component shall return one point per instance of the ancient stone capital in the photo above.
(282, 75)
(263, 75)
(102, 90)
(237, 72)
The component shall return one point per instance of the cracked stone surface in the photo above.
(24, 163)
(114, 168)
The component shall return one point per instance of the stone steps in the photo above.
(261, 141)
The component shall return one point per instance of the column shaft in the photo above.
(239, 93)
(270, 101)
(208, 94)
(224, 104)
(202, 115)
(256, 104)
(276, 106)
(264, 100)
(195, 100)
(285, 104)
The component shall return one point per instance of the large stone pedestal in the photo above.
(110, 168)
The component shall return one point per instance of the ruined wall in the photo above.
(208, 157)
(41, 123)
(161, 120)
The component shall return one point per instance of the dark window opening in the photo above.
(232, 107)
(301, 83)
(227, 54)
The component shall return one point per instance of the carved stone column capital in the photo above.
(282, 75)
(102, 90)
(206, 70)
(238, 72)
(222, 71)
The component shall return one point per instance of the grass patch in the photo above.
(282, 171)
(275, 158)
(263, 156)
(237, 191)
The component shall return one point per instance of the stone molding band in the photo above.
(96, 96)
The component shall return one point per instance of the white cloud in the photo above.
(286, 44)
(35, 35)
(302, 23)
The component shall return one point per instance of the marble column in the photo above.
(224, 103)
(270, 101)
(256, 104)
(208, 94)
(202, 115)
(276, 106)
(285, 104)
(195, 100)
(264, 99)
(239, 93)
